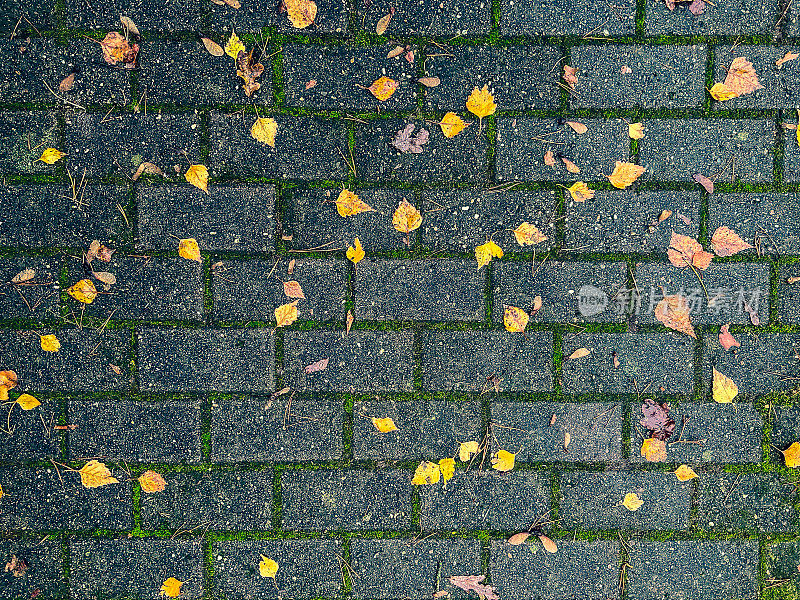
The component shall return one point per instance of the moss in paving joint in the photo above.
(558, 358)
(205, 427)
(625, 442)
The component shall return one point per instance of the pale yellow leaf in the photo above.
(685, 473)
(635, 131)
(580, 192)
(190, 250)
(27, 402)
(264, 130)
(467, 449)
(383, 24)
(518, 538)
(786, 58)
(384, 424)
(548, 544)
(632, 502)
(50, 155)
(579, 353)
(447, 466)
(214, 49)
(724, 390)
(577, 127)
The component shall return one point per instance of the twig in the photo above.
(49, 89)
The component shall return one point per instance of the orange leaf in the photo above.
(742, 78)
(151, 482)
(171, 588)
(286, 314)
(189, 250)
(673, 312)
(301, 13)
(624, 174)
(383, 88)
(528, 235)
(8, 380)
(571, 166)
(293, 289)
(682, 250)
(791, 455)
(726, 242)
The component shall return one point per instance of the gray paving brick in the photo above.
(768, 221)
(429, 430)
(730, 434)
(793, 21)
(662, 363)
(781, 560)
(339, 71)
(785, 426)
(791, 156)
(222, 360)
(617, 221)
(244, 292)
(240, 218)
(44, 573)
(220, 500)
(130, 430)
(360, 361)
(32, 436)
(37, 500)
(594, 501)
(524, 17)
(788, 308)
(726, 284)
(419, 290)
(733, 18)
(765, 362)
(285, 429)
(522, 77)
(36, 298)
(475, 500)
(462, 158)
(451, 18)
(41, 15)
(459, 220)
(351, 500)
(595, 430)
(419, 569)
(676, 149)
(578, 570)
(235, 152)
(149, 15)
(522, 143)
(20, 132)
(465, 360)
(136, 567)
(306, 568)
(81, 365)
(253, 16)
(663, 77)
(682, 569)
(780, 84)
(561, 286)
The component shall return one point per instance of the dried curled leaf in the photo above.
(151, 482)
(427, 473)
(8, 381)
(430, 81)
(264, 130)
(383, 88)
(49, 343)
(503, 461)
(28, 402)
(95, 474)
(234, 46)
(571, 166)
(472, 583)
(128, 24)
(685, 473)
(481, 102)
(791, 455)
(171, 588)
(515, 319)
(406, 217)
(452, 125)
(147, 168)
(355, 253)
(654, 450)
(577, 127)
(466, 450)
(197, 175)
(317, 366)
(301, 13)
(548, 544)
(570, 76)
(267, 567)
(249, 69)
(657, 420)
(579, 353)
(190, 250)
(724, 390)
(580, 192)
(286, 314)
(726, 242)
(83, 291)
(23, 276)
(673, 312)
(485, 252)
(786, 58)
(708, 184)
(407, 143)
(384, 424)
(51, 155)
(528, 235)
(116, 49)
(383, 23)
(293, 290)
(632, 502)
(624, 174)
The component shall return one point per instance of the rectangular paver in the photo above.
(767, 221)
(524, 17)
(449, 18)
(149, 15)
(44, 572)
(36, 298)
(733, 18)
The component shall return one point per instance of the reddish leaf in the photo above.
(293, 289)
(707, 184)
(726, 339)
(320, 365)
(472, 583)
(656, 419)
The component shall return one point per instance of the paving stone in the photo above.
(36, 499)
(571, 292)
(45, 569)
(474, 500)
(726, 284)
(118, 144)
(40, 15)
(768, 221)
(239, 218)
(222, 360)
(765, 362)
(419, 569)
(149, 15)
(616, 221)
(781, 560)
(662, 363)
(793, 21)
(788, 301)
(429, 430)
(360, 361)
(780, 83)
(459, 220)
(135, 567)
(676, 149)
(32, 436)
(20, 132)
(785, 426)
(148, 288)
(522, 77)
(578, 570)
(244, 292)
(551, 17)
(184, 73)
(131, 430)
(285, 429)
(462, 158)
(683, 569)
(595, 430)
(221, 500)
(419, 290)
(731, 433)
(448, 19)
(733, 18)
(311, 219)
(81, 365)
(465, 360)
(349, 500)
(522, 143)
(307, 568)
(594, 501)
(339, 71)
(253, 16)
(36, 298)
(659, 77)
(753, 502)
(235, 152)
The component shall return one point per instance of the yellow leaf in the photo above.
(467, 449)
(286, 314)
(348, 204)
(151, 482)
(51, 155)
(384, 424)
(515, 319)
(654, 450)
(721, 92)
(267, 567)
(447, 466)
(635, 131)
(624, 174)
(234, 46)
(791, 455)
(27, 402)
(95, 474)
(797, 131)
(2, 493)
(685, 473)
(528, 234)
(355, 253)
(49, 343)
(452, 125)
(427, 473)
(189, 250)
(171, 588)
(264, 130)
(83, 291)
(580, 192)
(481, 102)
(485, 252)
(406, 218)
(503, 460)
(579, 353)
(383, 88)
(632, 502)
(724, 389)
(197, 175)
(8, 380)
(301, 13)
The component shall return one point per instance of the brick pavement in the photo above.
(176, 367)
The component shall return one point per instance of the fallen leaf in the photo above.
(355, 253)
(49, 343)
(481, 102)
(537, 304)
(578, 128)
(286, 314)
(8, 381)
(571, 166)
(673, 312)
(106, 277)
(383, 23)
(67, 83)
(657, 420)
(316, 367)
(50, 155)
(16, 566)
(528, 235)
(742, 78)
(579, 353)
(567, 440)
(429, 82)
(485, 252)
(684, 251)
(791, 455)
(625, 70)
(447, 466)
(188, 249)
(724, 390)
(697, 7)
(127, 23)
(312, 83)
(293, 289)
(301, 13)
(792, 280)
(406, 217)
(249, 70)
(23, 276)
(721, 92)
(472, 583)
(515, 319)
(234, 46)
(518, 538)
(384, 424)
(632, 502)
(214, 49)
(549, 159)
(624, 174)
(452, 125)
(548, 544)
(396, 51)
(267, 567)
(427, 473)
(151, 482)
(726, 339)
(116, 49)
(171, 588)
(685, 473)
(383, 88)
(635, 131)
(348, 204)
(83, 291)
(753, 314)
(410, 56)
(786, 58)
(503, 460)
(726, 242)
(264, 130)
(664, 215)
(27, 402)
(580, 192)
(654, 450)
(707, 184)
(570, 76)
(350, 319)
(407, 143)
(95, 474)
(149, 168)
(197, 175)
(467, 449)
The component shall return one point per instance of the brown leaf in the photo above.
(570, 76)
(293, 289)
(383, 22)
(320, 365)
(753, 314)
(707, 184)
(127, 23)
(472, 583)
(16, 566)
(290, 268)
(350, 319)
(697, 7)
(579, 353)
(67, 83)
(148, 168)
(23, 276)
(673, 312)
(786, 58)
(152, 482)
(571, 166)
(656, 419)
(684, 251)
(105, 277)
(214, 49)
(249, 70)
(792, 280)
(312, 83)
(742, 78)
(664, 215)
(396, 51)
(727, 242)
(518, 538)
(726, 339)
(578, 128)
(429, 81)
(548, 544)
(116, 49)
(549, 160)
